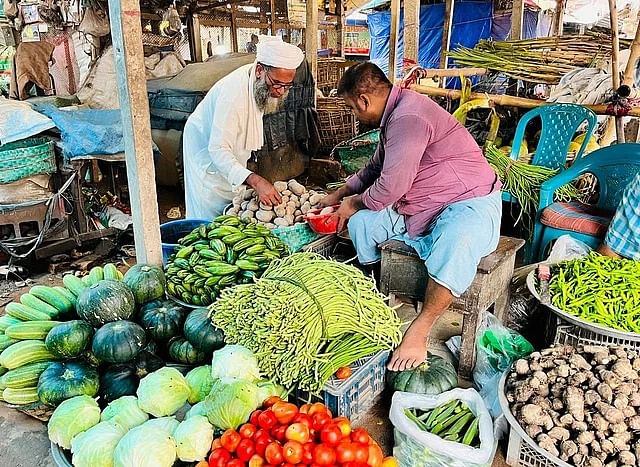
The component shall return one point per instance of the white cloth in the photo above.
(273, 51)
(217, 143)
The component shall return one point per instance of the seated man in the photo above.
(623, 237)
(429, 185)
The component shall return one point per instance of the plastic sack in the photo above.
(497, 348)
(417, 448)
(19, 121)
(566, 247)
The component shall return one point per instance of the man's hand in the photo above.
(265, 190)
(348, 208)
(331, 199)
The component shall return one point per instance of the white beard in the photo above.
(266, 103)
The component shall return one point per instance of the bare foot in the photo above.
(412, 351)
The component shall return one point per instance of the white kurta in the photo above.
(217, 143)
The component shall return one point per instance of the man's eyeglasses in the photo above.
(276, 84)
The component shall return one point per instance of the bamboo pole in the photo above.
(411, 29)
(517, 18)
(510, 101)
(311, 37)
(393, 39)
(615, 71)
(446, 36)
(634, 54)
(558, 19)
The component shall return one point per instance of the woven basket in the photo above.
(295, 236)
(25, 158)
(356, 152)
(37, 410)
(330, 70)
(337, 122)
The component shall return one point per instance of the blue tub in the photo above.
(173, 231)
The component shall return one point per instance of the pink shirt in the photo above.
(424, 162)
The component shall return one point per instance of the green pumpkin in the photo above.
(123, 379)
(434, 376)
(162, 319)
(201, 333)
(64, 380)
(181, 351)
(146, 282)
(70, 339)
(105, 302)
(118, 342)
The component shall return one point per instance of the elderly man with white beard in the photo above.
(226, 127)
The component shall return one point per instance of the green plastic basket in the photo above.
(25, 158)
(295, 236)
(356, 152)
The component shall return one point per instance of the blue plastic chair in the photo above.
(613, 166)
(559, 125)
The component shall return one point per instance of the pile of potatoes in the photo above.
(296, 202)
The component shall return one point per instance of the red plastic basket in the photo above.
(324, 224)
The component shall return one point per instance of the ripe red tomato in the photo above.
(319, 420)
(303, 418)
(360, 436)
(219, 457)
(344, 372)
(284, 412)
(307, 453)
(273, 453)
(267, 420)
(270, 401)
(345, 452)
(292, 452)
(375, 456)
(279, 433)
(236, 463)
(324, 455)
(298, 432)
(361, 453)
(256, 461)
(230, 440)
(344, 424)
(331, 435)
(254, 417)
(247, 431)
(245, 450)
(215, 444)
(316, 408)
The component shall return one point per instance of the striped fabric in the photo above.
(623, 235)
(577, 217)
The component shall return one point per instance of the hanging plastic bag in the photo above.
(566, 247)
(497, 348)
(417, 448)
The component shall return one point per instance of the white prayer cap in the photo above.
(273, 51)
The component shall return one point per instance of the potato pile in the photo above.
(581, 405)
(296, 201)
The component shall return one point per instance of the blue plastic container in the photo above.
(173, 231)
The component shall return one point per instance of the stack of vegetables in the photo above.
(226, 252)
(451, 421)
(598, 289)
(306, 317)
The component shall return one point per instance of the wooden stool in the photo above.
(404, 273)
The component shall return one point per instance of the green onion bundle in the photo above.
(523, 181)
(306, 317)
(599, 289)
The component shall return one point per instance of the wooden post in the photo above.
(311, 37)
(517, 18)
(340, 23)
(126, 33)
(272, 6)
(234, 29)
(446, 36)
(393, 39)
(615, 69)
(558, 19)
(195, 41)
(634, 55)
(411, 29)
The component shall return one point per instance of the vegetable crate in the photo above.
(352, 397)
(323, 246)
(571, 334)
(521, 454)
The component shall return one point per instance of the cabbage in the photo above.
(126, 412)
(193, 438)
(266, 389)
(145, 447)
(230, 404)
(94, 447)
(201, 408)
(235, 362)
(200, 381)
(73, 416)
(168, 424)
(163, 392)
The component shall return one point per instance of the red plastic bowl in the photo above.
(324, 224)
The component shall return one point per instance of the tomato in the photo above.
(256, 461)
(316, 408)
(230, 440)
(345, 452)
(331, 435)
(219, 457)
(292, 452)
(284, 412)
(344, 372)
(245, 450)
(254, 417)
(390, 462)
(236, 463)
(303, 418)
(270, 401)
(307, 453)
(375, 456)
(305, 408)
(361, 453)
(324, 455)
(360, 436)
(267, 420)
(215, 444)
(344, 424)
(247, 431)
(273, 453)
(319, 420)
(298, 432)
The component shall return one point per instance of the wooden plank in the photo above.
(558, 18)
(411, 29)
(273, 17)
(311, 38)
(195, 40)
(615, 66)
(126, 33)
(234, 29)
(393, 39)
(446, 36)
(634, 55)
(517, 18)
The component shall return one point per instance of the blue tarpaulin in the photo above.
(501, 28)
(471, 22)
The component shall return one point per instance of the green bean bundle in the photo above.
(523, 181)
(599, 289)
(306, 317)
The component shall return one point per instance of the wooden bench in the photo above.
(403, 273)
